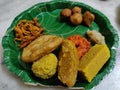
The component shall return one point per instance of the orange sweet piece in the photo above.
(81, 43)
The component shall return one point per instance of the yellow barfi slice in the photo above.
(93, 61)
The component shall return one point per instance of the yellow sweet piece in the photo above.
(93, 61)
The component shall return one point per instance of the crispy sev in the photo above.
(26, 31)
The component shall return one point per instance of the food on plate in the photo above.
(76, 9)
(26, 31)
(81, 43)
(76, 18)
(65, 14)
(45, 67)
(68, 63)
(88, 18)
(91, 63)
(40, 47)
(95, 37)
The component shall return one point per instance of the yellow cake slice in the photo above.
(93, 61)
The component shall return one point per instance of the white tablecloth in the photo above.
(9, 9)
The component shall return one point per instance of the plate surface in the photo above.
(48, 16)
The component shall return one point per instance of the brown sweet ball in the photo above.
(88, 17)
(76, 19)
(76, 9)
(65, 13)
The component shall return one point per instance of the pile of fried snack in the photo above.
(76, 54)
(76, 17)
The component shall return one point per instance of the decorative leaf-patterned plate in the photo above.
(48, 16)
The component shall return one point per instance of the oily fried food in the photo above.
(76, 9)
(40, 47)
(95, 37)
(76, 18)
(68, 63)
(65, 14)
(46, 66)
(88, 17)
(26, 31)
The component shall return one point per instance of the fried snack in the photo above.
(68, 63)
(88, 17)
(95, 37)
(76, 18)
(91, 63)
(65, 14)
(45, 67)
(40, 47)
(26, 31)
(76, 9)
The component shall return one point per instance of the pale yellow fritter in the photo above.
(95, 37)
(68, 63)
(40, 47)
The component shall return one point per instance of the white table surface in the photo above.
(9, 9)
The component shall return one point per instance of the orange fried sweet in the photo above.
(82, 44)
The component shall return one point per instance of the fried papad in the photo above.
(68, 63)
(40, 47)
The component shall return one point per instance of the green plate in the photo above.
(48, 15)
